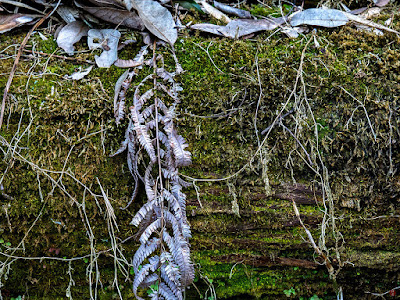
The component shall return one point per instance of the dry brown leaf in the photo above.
(108, 41)
(319, 17)
(70, 34)
(68, 14)
(207, 27)
(8, 22)
(358, 10)
(381, 3)
(240, 27)
(109, 3)
(117, 16)
(157, 19)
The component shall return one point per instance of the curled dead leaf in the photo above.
(108, 41)
(70, 34)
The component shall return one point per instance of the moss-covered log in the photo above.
(335, 153)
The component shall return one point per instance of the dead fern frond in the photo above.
(154, 146)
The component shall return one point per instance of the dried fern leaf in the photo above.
(170, 219)
(118, 95)
(142, 134)
(149, 183)
(149, 280)
(187, 272)
(124, 144)
(186, 231)
(172, 272)
(131, 157)
(165, 75)
(178, 145)
(166, 292)
(144, 98)
(137, 89)
(184, 183)
(172, 93)
(181, 197)
(144, 251)
(176, 207)
(135, 191)
(150, 125)
(140, 276)
(157, 224)
(181, 254)
(162, 106)
(154, 261)
(174, 286)
(163, 138)
(170, 174)
(144, 211)
(148, 111)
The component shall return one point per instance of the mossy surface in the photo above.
(63, 132)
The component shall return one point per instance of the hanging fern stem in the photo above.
(161, 221)
(160, 176)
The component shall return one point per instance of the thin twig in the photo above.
(59, 56)
(310, 237)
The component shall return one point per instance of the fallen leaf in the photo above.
(116, 16)
(293, 32)
(68, 14)
(381, 3)
(8, 22)
(244, 14)
(108, 41)
(79, 74)
(240, 27)
(358, 10)
(319, 17)
(70, 34)
(109, 3)
(129, 4)
(157, 19)
(207, 27)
